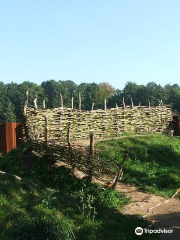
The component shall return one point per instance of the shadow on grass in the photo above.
(23, 200)
(148, 168)
(20, 200)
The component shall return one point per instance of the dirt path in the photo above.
(166, 215)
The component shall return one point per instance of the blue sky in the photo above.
(90, 41)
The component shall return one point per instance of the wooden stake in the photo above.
(161, 103)
(24, 114)
(79, 101)
(116, 105)
(61, 100)
(44, 104)
(46, 129)
(105, 104)
(119, 172)
(124, 106)
(72, 103)
(25, 104)
(27, 93)
(132, 103)
(91, 135)
(68, 135)
(35, 104)
(91, 155)
(92, 106)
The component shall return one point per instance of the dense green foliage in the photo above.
(153, 164)
(58, 206)
(12, 95)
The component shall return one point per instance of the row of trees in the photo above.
(12, 95)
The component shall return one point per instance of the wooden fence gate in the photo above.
(11, 135)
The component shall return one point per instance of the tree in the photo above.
(172, 96)
(153, 93)
(116, 98)
(107, 89)
(90, 93)
(3, 93)
(51, 90)
(67, 89)
(12, 95)
(130, 91)
(15, 104)
(9, 112)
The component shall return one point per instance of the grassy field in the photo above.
(153, 164)
(50, 203)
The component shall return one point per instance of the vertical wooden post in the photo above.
(149, 104)
(46, 129)
(79, 101)
(91, 135)
(44, 104)
(105, 104)
(124, 106)
(27, 94)
(161, 103)
(72, 103)
(91, 155)
(61, 100)
(116, 105)
(132, 103)
(92, 108)
(35, 104)
(24, 114)
(68, 135)
(71, 156)
(25, 104)
(139, 104)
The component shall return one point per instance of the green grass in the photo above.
(49, 203)
(153, 164)
(23, 215)
(30, 211)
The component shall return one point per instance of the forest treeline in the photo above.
(12, 96)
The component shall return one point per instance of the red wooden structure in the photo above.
(11, 135)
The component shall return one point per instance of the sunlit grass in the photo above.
(153, 164)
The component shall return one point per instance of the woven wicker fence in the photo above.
(54, 124)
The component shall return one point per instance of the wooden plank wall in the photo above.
(11, 135)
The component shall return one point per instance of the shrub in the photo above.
(111, 198)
